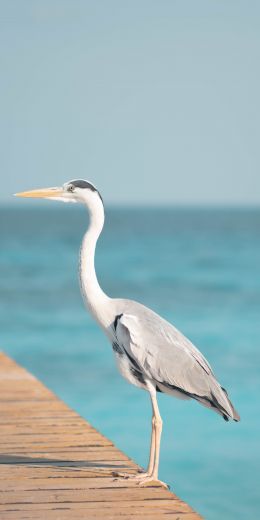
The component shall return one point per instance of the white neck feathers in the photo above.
(92, 293)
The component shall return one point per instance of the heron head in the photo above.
(72, 191)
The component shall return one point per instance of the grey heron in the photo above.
(150, 352)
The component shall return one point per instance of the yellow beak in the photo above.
(41, 194)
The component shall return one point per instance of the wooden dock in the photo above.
(55, 466)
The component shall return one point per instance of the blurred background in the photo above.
(156, 103)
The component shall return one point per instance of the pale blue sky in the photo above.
(153, 101)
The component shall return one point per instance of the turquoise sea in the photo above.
(200, 270)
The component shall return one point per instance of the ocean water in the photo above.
(200, 270)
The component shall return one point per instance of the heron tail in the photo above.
(223, 404)
(235, 415)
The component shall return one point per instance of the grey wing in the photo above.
(170, 360)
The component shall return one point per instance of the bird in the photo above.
(150, 352)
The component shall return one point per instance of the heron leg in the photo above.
(149, 470)
(152, 448)
(150, 477)
(152, 472)
(141, 474)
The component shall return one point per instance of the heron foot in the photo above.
(129, 476)
(150, 480)
(140, 476)
(118, 474)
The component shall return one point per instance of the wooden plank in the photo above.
(55, 465)
(102, 511)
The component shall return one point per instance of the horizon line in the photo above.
(147, 205)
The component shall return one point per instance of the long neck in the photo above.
(92, 293)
